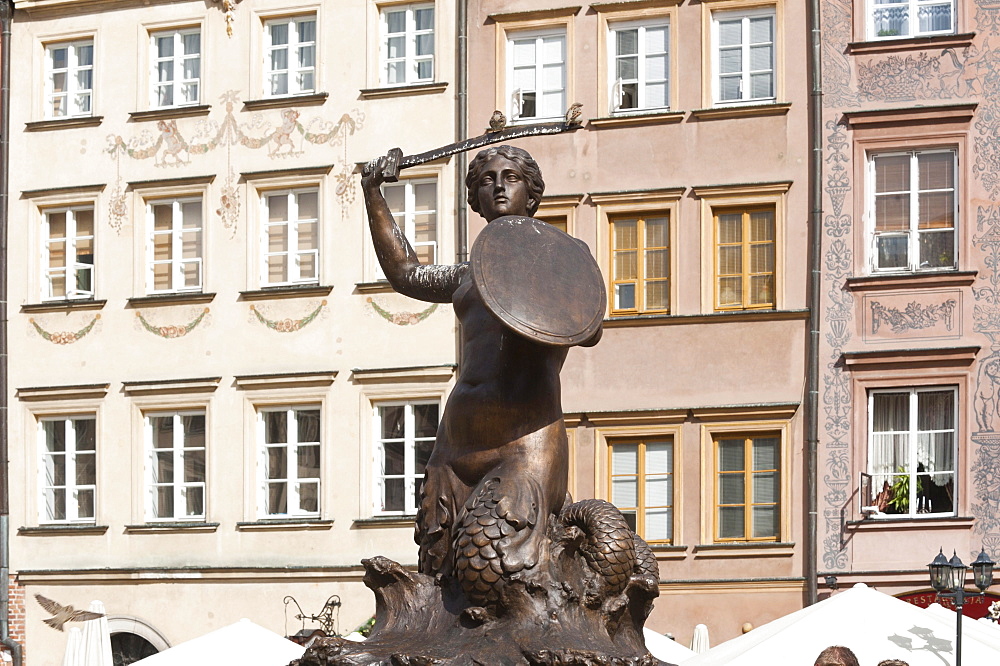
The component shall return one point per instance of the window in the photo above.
(174, 245)
(69, 81)
(743, 56)
(912, 209)
(642, 486)
(176, 68)
(413, 203)
(640, 260)
(69, 468)
(640, 66)
(536, 75)
(175, 467)
(291, 237)
(911, 450)
(290, 56)
(748, 490)
(69, 253)
(405, 434)
(290, 459)
(889, 19)
(744, 258)
(407, 44)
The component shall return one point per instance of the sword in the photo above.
(395, 161)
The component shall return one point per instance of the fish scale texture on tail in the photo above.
(610, 549)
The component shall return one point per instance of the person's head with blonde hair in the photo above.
(837, 655)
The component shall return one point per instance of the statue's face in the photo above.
(502, 189)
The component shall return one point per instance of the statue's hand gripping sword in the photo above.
(396, 161)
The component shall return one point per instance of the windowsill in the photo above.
(311, 99)
(955, 41)
(745, 549)
(69, 304)
(279, 524)
(409, 89)
(912, 280)
(742, 111)
(638, 118)
(384, 521)
(179, 298)
(729, 316)
(155, 528)
(62, 530)
(286, 291)
(666, 551)
(63, 123)
(907, 523)
(171, 112)
(373, 287)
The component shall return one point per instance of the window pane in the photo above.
(392, 421)
(309, 497)
(394, 498)
(277, 498)
(659, 525)
(732, 489)
(731, 522)
(308, 425)
(393, 461)
(891, 412)
(425, 420)
(625, 492)
(625, 459)
(194, 466)
(936, 410)
(625, 297)
(195, 501)
(937, 210)
(424, 18)
(892, 173)
(937, 249)
(731, 455)
(765, 521)
(936, 170)
(308, 462)
(892, 251)
(275, 427)
(277, 462)
(194, 430)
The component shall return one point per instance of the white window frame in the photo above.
(292, 480)
(177, 83)
(745, 87)
(411, 61)
(515, 96)
(616, 84)
(294, 72)
(294, 254)
(179, 484)
(73, 266)
(411, 478)
(73, 92)
(913, 434)
(407, 220)
(70, 486)
(913, 232)
(912, 9)
(177, 261)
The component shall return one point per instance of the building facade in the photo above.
(689, 183)
(909, 457)
(215, 399)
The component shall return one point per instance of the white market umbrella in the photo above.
(96, 646)
(243, 643)
(74, 648)
(874, 625)
(665, 649)
(981, 631)
(699, 640)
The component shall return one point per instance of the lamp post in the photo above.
(948, 580)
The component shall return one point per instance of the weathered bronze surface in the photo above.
(538, 280)
(511, 571)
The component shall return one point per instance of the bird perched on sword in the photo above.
(63, 614)
(498, 122)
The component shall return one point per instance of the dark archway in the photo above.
(129, 648)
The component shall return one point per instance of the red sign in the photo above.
(974, 607)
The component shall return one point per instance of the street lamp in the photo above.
(948, 580)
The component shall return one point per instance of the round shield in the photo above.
(539, 281)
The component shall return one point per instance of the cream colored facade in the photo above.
(664, 144)
(225, 332)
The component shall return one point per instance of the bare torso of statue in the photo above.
(499, 465)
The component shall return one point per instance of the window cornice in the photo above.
(910, 115)
(425, 373)
(169, 112)
(662, 195)
(285, 380)
(92, 190)
(741, 189)
(955, 41)
(71, 392)
(171, 386)
(885, 359)
(626, 5)
(285, 101)
(63, 123)
(534, 14)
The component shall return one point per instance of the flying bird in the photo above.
(573, 114)
(63, 614)
(498, 121)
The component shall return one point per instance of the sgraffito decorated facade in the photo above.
(909, 442)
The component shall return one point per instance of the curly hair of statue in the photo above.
(510, 570)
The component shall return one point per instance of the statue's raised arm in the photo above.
(435, 283)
